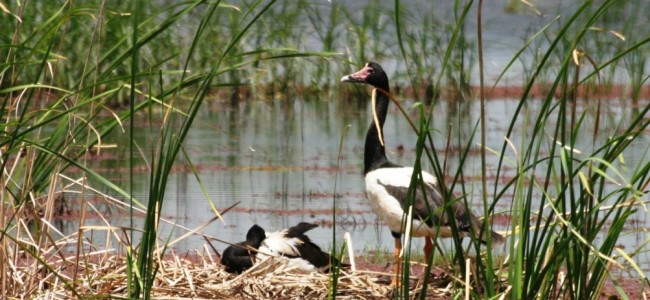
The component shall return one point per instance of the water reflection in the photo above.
(278, 160)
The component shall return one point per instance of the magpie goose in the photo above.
(387, 183)
(289, 246)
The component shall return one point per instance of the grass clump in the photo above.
(76, 74)
(572, 191)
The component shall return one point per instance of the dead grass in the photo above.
(35, 265)
(199, 277)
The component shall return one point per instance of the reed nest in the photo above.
(202, 277)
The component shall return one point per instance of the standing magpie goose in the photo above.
(387, 184)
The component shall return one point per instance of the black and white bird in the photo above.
(290, 247)
(387, 184)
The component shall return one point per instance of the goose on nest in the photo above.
(289, 246)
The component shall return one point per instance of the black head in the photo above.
(255, 236)
(372, 74)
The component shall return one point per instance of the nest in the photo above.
(272, 279)
(202, 277)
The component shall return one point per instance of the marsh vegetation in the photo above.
(138, 138)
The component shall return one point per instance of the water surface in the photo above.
(280, 160)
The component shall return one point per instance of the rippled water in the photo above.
(279, 161)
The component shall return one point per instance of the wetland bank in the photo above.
(132, 157)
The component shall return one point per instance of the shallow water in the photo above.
(279, 161)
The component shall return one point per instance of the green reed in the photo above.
(86, 70)
(76, 73)
(563, 199)
(560, 256)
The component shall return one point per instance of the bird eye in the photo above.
(371, 71)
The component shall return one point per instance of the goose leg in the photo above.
(396, 262)
(428, 248)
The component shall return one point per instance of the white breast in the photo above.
(279, 252)
(387, 206)
(278, 244)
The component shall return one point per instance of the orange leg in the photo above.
(396, 262)
(428, 248)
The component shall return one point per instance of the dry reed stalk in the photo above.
(49, 271)
(202, 278)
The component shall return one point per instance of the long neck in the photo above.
(375, 153)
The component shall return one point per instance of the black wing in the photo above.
(430, 207)
(299, 230)
(307, 249)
